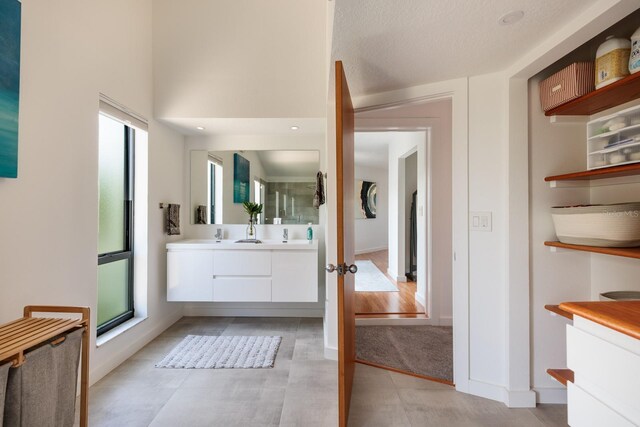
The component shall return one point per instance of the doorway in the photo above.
(386, 284)
(420, 243)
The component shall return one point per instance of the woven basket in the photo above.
(613, 226)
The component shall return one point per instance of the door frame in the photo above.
(457, 91)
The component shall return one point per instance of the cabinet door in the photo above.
(294, 276)
(190, 276)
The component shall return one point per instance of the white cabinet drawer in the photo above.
(256, 289)
(295, 276)
(611, 370)
(189, 275)
(586, 411)
(242, 263)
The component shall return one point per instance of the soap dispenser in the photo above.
(310, 233)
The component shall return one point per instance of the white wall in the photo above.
(487, 188)
(48, 252)
(373, 234)
(248, 59)
(403, 145)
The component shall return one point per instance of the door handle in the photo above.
(342, 269)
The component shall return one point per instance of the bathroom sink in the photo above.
(254, 241)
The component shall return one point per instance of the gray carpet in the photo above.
(222, 352)
(424, 350)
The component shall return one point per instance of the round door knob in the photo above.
(330, 268)
(353, 269)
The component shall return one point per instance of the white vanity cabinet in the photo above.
(201, 270)
(190, 275)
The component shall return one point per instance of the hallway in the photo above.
(402, 303)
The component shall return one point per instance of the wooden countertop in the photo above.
(621, 316)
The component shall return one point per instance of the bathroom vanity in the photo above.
(226, 271)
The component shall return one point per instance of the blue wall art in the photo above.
(241, 187)
(10, 12)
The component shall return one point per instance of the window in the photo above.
(258, 196)
(115, 233)
(214, 198)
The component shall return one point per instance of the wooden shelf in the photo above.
(557, 310)
(610, 96)
(623, 252)
(612, 172)
(563, 376)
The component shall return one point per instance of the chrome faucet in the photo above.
(218, 235)
(285, 235)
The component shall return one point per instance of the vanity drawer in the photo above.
(604, 366)
(242, 263)
(256, 289)
(585, 410)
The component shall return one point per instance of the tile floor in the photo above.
(301, 390)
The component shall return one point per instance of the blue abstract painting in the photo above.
(240, 179)
(10, 11)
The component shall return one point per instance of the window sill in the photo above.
(120, 329)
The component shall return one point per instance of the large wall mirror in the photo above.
(284, 181)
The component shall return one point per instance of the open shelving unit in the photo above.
(618, 93)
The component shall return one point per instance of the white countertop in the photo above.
(298, 244)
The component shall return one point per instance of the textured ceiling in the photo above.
(387, 45)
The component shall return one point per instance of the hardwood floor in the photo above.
(401, 303)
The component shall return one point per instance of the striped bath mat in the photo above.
(222, 352)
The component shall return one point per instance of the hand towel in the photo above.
(201, 214)
(173, 219)
(318, 196)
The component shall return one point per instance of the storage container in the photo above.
(634, 58)
(614, 226)
(614, 139)
(567, 84)
(620, 296)
(612, 61)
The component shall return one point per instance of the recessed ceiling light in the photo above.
(199, 128)
(511, 17)
(294, 128)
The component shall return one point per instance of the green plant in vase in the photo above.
(253, 210)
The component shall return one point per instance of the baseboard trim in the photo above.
(366, 251)
(252, 312)
(402, 321)
(446, 321)
(511, 398)
(421, 299)
(520, 398)
(116, 358)
(330, 353)
(554, 395)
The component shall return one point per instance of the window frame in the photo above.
(127, 252)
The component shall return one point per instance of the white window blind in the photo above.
(118, 112)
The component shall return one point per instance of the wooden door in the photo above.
(346, 243)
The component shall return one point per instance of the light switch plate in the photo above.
(480, 221)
